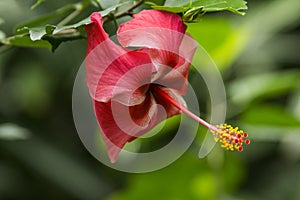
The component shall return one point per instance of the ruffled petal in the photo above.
(95, 32)
(113, 136)
(172, 70)
(108, 64)
(126, 80)
(101, 52)
(120, 124)
(162, 35)
(153, 29)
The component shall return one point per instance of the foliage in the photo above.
(37, 33)
(192, 10)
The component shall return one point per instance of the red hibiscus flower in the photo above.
(135, 89)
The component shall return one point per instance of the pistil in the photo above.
(229, 137)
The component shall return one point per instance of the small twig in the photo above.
(115, 20)
(115, 16)
(98, 5)
(129, 10)
(70, 17)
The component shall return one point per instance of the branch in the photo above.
(72, 34)
(129, 10)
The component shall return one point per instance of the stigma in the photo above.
(229, 137)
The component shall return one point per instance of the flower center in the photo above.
(229, 137)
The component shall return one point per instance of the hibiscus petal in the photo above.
(126, 80)
(107, 63)
(113, 136)
(153, 29)
(168, 75)
(101, 52)
(163, 109)
(120, 124)
(162, 34)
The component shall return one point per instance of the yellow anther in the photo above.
(229, 137)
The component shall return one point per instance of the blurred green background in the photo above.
(42, 157)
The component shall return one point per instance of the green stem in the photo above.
(115, 20)
(98, 5)
(129, 10)
(69, 17)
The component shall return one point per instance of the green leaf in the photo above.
(24, 40)
(37, 33)
(177, 2)
(36, 4)
(173, 9)
(61, 12)
(86, 20)
(270, 115)
(50, 36)
(235, 6)
(192, 11)
(223, 45)
(56, 40)
(247, 89)
(108, 3)
(13, 132)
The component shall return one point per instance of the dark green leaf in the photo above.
(173, 9)
(108, 3)
(59, 13)
(177, 2)
(56, 40)
(50, 36)
(236, 6)
(198, 7)
(24, 40)
(193, 14)
(86, 20)
(38, 32)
